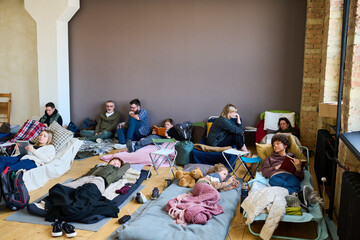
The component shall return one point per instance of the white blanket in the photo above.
(273, 200)
(37, 177)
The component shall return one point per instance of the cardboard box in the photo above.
(328, 109)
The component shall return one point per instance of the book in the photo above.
(159, 131)
(289, 166)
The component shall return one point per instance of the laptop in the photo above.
(22, 145)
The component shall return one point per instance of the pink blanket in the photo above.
(197, 207)
(141, 156)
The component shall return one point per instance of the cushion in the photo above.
(61, 135)
(265, 150)
(271, 119)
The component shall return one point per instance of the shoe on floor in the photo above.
(68, 229)
(56, 231)
(130, 146)
(155, 193)
(140, 198)
(292, 201)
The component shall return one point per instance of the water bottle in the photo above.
(244, 193)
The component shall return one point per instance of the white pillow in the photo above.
(271, 120)
(61, 135)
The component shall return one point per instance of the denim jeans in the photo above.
(131, 133)
(15, 163)
(90, 135)
(286, 180)
(146, 141)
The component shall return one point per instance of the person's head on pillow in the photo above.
(117, 162)
(284, 123)
(280, 139)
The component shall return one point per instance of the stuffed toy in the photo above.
(188, 179)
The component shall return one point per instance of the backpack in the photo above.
(13, 189)
(72, 127)
(184, 129)
(88, 124)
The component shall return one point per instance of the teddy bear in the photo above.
(188, 179)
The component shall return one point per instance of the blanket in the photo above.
(141, 156)
(270, 198)
(207, 148)
(197, 207)
(30, 130)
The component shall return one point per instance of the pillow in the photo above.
(265, 150)
(203, 167)
(61, 135)
(271, 119)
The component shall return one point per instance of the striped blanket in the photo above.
(30, 130)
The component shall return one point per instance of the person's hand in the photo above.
(16, 147)
(153, 132)
(230, 180)
(166, 135)
(235, 183)
(45, 124)
(30, 148)
(297, 164)
(278, 167)
(131, 113)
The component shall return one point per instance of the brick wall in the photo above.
(312, 74)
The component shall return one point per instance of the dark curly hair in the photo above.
(284, 138)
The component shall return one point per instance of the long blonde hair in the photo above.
(229, 108)
(50, 137)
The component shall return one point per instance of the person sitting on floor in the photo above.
(51, 115)
(285, 127)
(137, 125)
(39, 154)
(170, 132)
(216, 177)
(106, 125)
(226, 130)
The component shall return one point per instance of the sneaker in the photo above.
(155, 193)
(56, 231)
(99, 140)
(119, 146)
(292, 201)
(140, 198)
(130, 146)
(68, 229)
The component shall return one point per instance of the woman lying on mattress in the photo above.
(39, 154)
(283, 178)
(202, 203)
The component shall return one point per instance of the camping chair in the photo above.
(243, 161)
(165, 149)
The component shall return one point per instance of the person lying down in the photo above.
(201, 204)
(83, 200)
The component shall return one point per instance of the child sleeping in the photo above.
(201, 204)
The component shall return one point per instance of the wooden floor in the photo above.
(25, 231)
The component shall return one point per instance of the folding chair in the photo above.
(242, 160)
(163, 154)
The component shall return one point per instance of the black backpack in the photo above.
(184, 129)
(13, 189)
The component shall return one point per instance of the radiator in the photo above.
(324, 148)
(349, 212)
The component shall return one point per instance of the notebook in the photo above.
(289, 166)
(159, 131)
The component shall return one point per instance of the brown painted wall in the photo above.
(187, 59)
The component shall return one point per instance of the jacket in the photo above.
(107, 123)
(109, 172)
(50, 119)
(221, 128)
